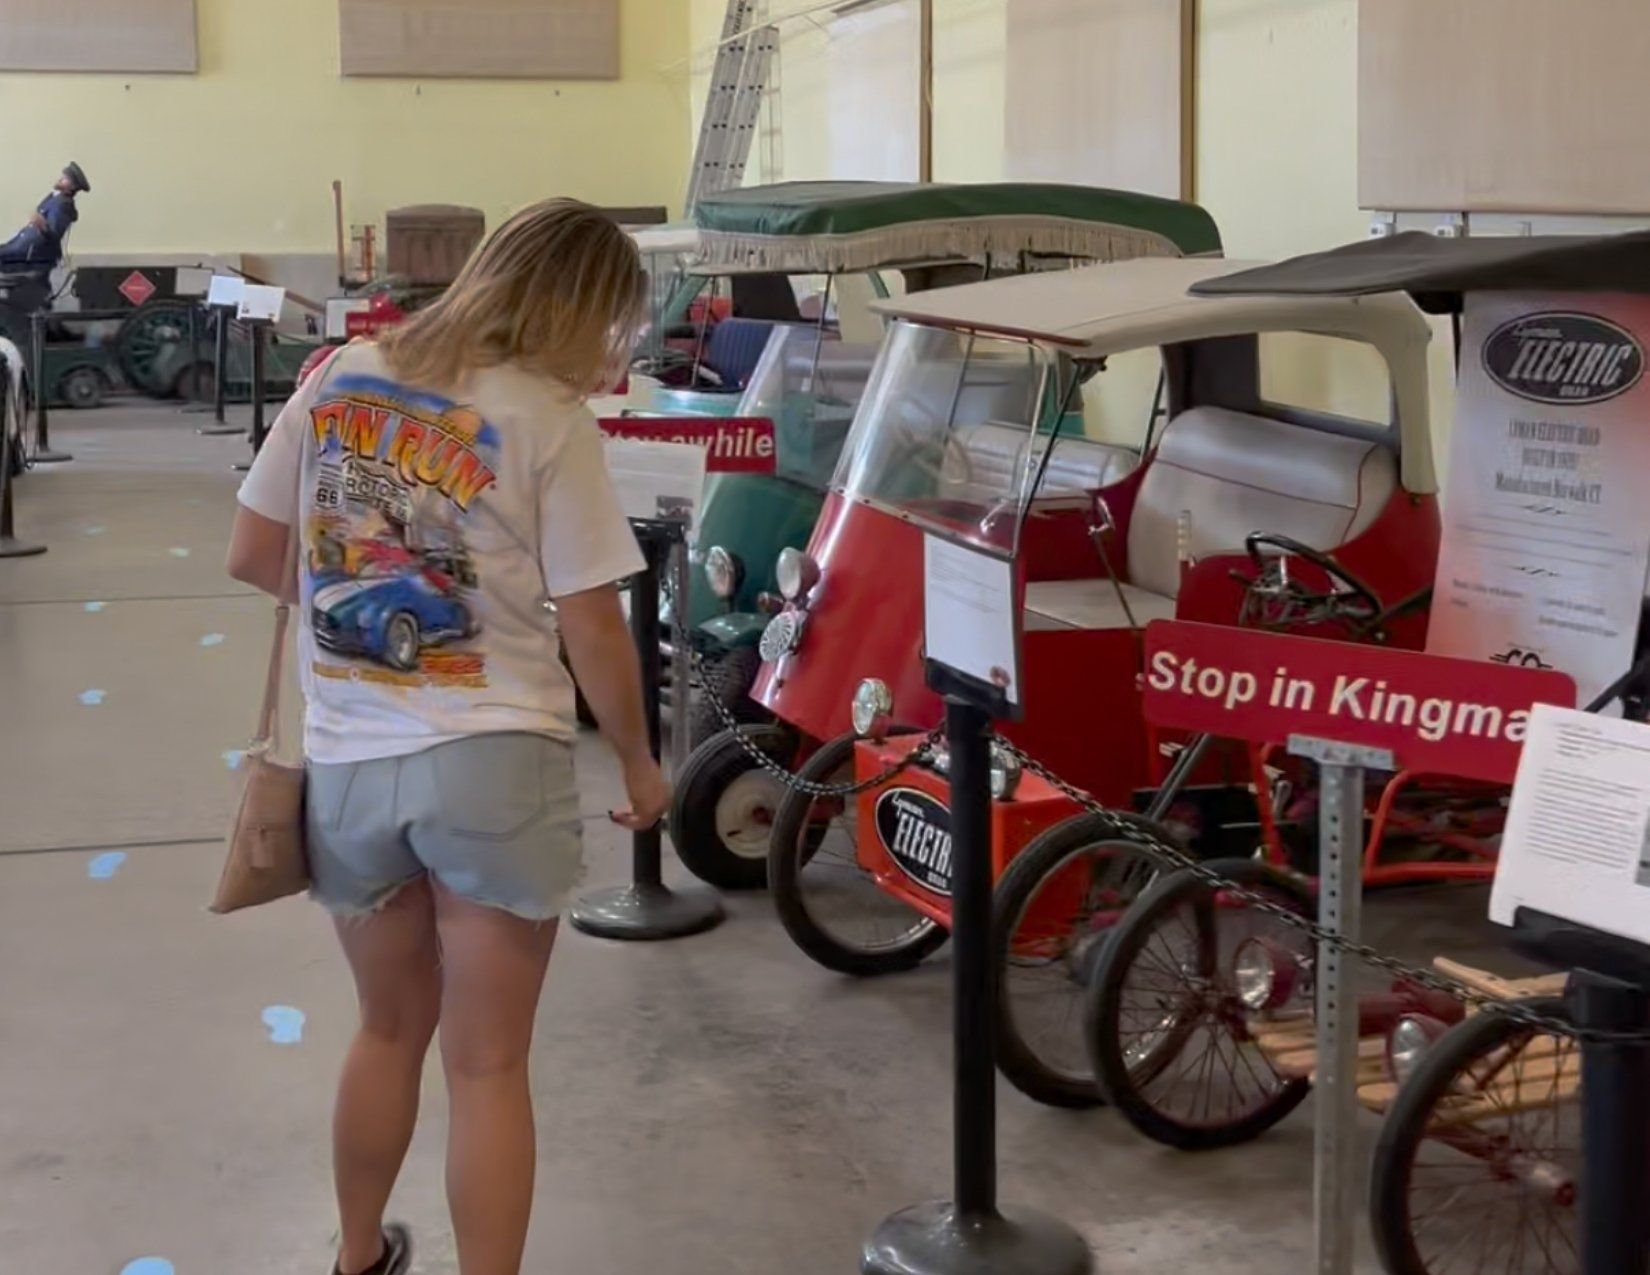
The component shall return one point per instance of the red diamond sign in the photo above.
(137, 288)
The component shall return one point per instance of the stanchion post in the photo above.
(1336, 1181)
(1615, 1125)
(681, 662)
(44, 454)
(258, 430)
(220, 365)
(10, 545)
(647, 908)
(969, 1234)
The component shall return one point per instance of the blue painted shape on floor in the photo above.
(95, 531)
(92, 698)
(105, 865)
(178, 552)
(149, 1266)
(92, 608)
(286, 1025)
(233, 757)
(212, 639)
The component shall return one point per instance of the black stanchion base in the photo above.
(646, 912)
(219, 431)
(13, 548)
(49, 456)
(933, 1239)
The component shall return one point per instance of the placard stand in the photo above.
(220, 373)
(1607, 992)
(970, 1234)
(44, 453)
(647, 908)
(10, 545)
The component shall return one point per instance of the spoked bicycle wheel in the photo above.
(1479, 1161)
(830, 905)
(1055, 904)
(1186, 977)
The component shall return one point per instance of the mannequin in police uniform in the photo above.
(38, 247)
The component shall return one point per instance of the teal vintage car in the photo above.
(858, 238)
(809, 381)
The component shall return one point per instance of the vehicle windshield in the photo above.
(807, 383)
(947, 432)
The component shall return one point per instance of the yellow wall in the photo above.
(240, 158)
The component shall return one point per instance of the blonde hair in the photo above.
(557, 289)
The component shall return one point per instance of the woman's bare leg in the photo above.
(493, 968)
(395, 959)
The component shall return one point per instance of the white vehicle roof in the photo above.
(679, 239)
(1093, 311)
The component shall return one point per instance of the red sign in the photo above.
(137, 288)
(733, 444)
(1436, 714)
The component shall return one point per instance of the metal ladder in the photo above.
(739, 79)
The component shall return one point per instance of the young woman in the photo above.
(447, 486)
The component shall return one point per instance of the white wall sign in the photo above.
(258, 302)
(1577, 842)
(969, 614)
(1547, 524)
(226, 289)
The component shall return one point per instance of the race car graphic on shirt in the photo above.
(392, 583)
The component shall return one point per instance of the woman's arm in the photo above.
(257, 554)
(603, 656)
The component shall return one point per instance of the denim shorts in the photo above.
(494, 818)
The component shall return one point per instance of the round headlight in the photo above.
(1409, 1041)
(723, 571)
(1263, 975)
(796, 573)
(872, 708)
(1005, 773)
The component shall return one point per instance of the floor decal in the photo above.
(148, 1266)
(286, 1025)
(92, 698)
(212, 639)
(105, 865)
(92, 608)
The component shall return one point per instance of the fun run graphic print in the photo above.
(392, 580)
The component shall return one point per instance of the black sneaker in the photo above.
(397, 1256)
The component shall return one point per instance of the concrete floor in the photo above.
(713, 1106)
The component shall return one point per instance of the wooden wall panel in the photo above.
(1504, 105)
(489, 39)
(874, 70)
(98, 35)
(1098, 92)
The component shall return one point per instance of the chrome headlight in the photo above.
(783, 635)
(1263, 974)
(796, 573)
(723, 571)
(1005, 770)
(872, 709)
(1409, 1040)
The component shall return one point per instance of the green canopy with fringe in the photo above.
(829, 227)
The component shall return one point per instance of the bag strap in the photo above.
(267, 739)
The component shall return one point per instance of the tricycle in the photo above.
(809, 381)
(972, 420)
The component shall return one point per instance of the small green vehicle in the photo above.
(849, 239)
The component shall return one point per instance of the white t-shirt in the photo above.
(434, 530)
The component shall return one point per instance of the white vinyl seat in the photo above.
(995, 455)
(1217, 477)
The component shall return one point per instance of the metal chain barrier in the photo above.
(1169, 855)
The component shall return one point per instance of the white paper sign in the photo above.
(969, 615)
(338, 311)
(259, 302)
(1577, 841)
(657, 481)
(1547, 524)
(226, 289)
(193, 281)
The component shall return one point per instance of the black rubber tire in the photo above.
(401, 622)
(706, 776)
(726, 678)
(81, 388)
(1050, 851)
(790, 851)
(1404, 1129)
(1117, 1082)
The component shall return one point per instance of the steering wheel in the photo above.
(1274, 599)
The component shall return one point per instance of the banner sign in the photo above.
(1546, 524)
(732, 444)
(1438, 715)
